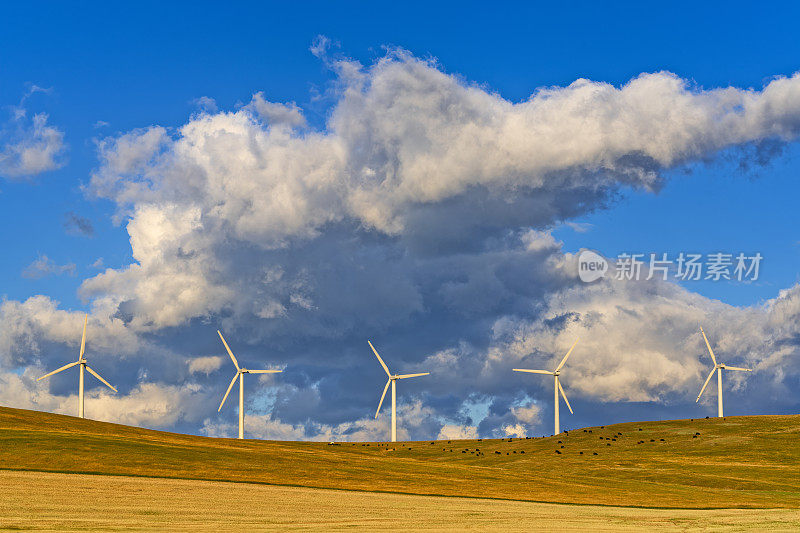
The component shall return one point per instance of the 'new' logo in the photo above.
(591, 266)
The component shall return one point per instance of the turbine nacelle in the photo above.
(723, 367)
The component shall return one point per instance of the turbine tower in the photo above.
(82, 362)
(240, 372)
(392, 379)
(718, 368)
(557, 386)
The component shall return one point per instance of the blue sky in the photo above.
(107, 71)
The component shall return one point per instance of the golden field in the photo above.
(63, 502)
(748, 465)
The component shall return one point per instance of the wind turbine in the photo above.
(392, 379)
(240, 372)
(557, 384)
(718, 368)
(82, 362)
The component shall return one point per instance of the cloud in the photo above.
(453, 432)
(276, 114)
(319, 48)
(74, 224)
(418, 217)
(579, 227)
(517, 430)
(43, 267)
(529, 415)
(410, 212)
(205, 365)
(29, 146)
(146, 405)
(408, 153)
(640, 341)
(205, 104)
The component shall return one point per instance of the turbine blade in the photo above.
(95, 374)
(235, 362)
(386, 368)
(59, 370)
(83, 338)
(235, 377)
(533, 371)
(563, 395)
(738, 368)
(264, 371)
(404, 376)
(382, 397)
(705, 384)
(713, 358)
(561, 364)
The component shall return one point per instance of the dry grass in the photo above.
(59, 502)
(739, 462)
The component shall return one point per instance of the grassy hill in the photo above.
(747, 462)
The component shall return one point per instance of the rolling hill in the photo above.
(736, 462)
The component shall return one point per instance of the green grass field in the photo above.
(737, 462)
